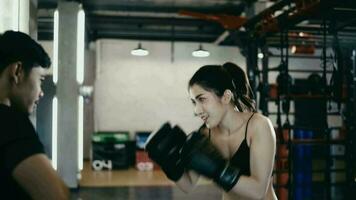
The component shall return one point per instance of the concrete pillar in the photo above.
(67, 94)
(32, 22)
(89, 104)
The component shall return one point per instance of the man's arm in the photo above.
(37, 176)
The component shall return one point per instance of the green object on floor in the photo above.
(110, 137)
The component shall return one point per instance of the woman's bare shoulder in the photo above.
(259, 118)
(259, 121)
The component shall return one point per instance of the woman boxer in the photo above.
(235, 147)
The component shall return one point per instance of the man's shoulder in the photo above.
(14, 126)
(9, 115)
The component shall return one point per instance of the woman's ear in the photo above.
(16, 72)
(227, 97)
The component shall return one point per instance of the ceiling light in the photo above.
(200, 52)
(139, 51)
(260, 55)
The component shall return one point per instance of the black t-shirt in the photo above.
(18, 141)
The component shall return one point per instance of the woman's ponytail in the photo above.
(218, 78)
(244, 98)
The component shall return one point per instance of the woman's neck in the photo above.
(231, 122)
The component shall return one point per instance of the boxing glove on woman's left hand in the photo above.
(199, 154)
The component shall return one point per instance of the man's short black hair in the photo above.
(17, 46)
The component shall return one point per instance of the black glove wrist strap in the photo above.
(228, 177)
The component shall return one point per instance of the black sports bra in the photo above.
(241, 157)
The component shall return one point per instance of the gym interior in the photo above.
(121, 68)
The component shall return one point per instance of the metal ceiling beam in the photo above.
(154, 36)
(229, 8)
(218, 9)
(150, 20)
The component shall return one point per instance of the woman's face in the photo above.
(207, 105)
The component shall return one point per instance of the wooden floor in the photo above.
(202, 192)
(131, 184)
(125, 177)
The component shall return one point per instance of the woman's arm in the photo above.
(188, 181)
(262, 153)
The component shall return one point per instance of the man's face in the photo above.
(27, 92)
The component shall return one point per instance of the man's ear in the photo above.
(227, 96)
(16, 71)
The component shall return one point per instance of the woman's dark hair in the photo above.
(229, 76)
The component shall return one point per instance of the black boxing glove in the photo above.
(163, 146)
(200, 155)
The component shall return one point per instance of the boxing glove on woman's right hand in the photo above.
(164, 146)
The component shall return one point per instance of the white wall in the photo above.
(140, 93)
